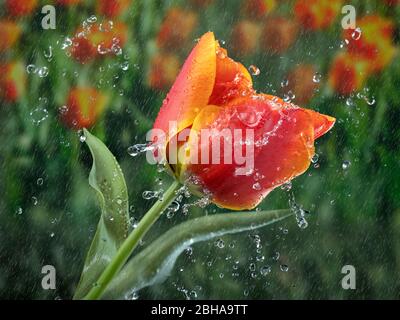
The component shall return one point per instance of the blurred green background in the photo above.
(48, 213)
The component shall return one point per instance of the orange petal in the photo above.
(322, 123)
(232, 79)
(283, 147)
(192, 88)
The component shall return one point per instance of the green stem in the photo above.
(131, 242)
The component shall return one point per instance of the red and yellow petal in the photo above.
(283, 146)
(192, 88)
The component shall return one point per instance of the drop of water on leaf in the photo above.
(31, 68)
(43, 72)
(219, 243)
(139, 148)
(39, 181)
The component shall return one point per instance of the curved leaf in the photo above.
(154, 263)
(107, 179)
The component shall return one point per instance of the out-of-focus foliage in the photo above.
(109, 64)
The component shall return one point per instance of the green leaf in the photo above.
(154, 263)
(107, 179)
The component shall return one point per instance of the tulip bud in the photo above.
(258, 8)
(12, 81)
(348, 73)
(10, 33)
(317, 14)
(278, 35)
(303, 80)
(20, 8)
(112, 8)
(176, 28)
(164, 68)
(245, 37)
(84, 106)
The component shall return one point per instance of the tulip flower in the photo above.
(20, 8)
(98, 40)
(245, 36)
(303, 80)
(176, 28)
(258, 8)
(12, 81)
(10, 32)
(348, 73)
(83, 108)
(317, 14)
(112, 8)
(372, 40)
(164, 68)
(213, 92)
(278, 34)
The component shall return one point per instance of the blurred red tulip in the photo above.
(258, 8)
(245, 37)
(112, 8)
(20, 8)
(372, 40)
(348, 73)
(164, 68)
(10, 33)
(176, 28)
(303, 80)
(84, 106)
(98, 40)
(317, 14)
(279, 34)
(12, 81)
(207, 94)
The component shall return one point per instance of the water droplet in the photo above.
(82, 137)
(52, 235)
(220, 243)
(43, 72)
(265, 270)
(34, 200)
(356, 35)
(31, 68)
(125, 65)
(38, 115)
(276, 256)
(317, 78)
(63, 110)
(284, 83)
(102, 49)
(92, 19)
(147, 195)
(139, 148)
(257, 186)
(39, 181)
(254, 70)
(284, 267)
(19, 211)
(346, 164)
(314, 158)
(48, 54)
